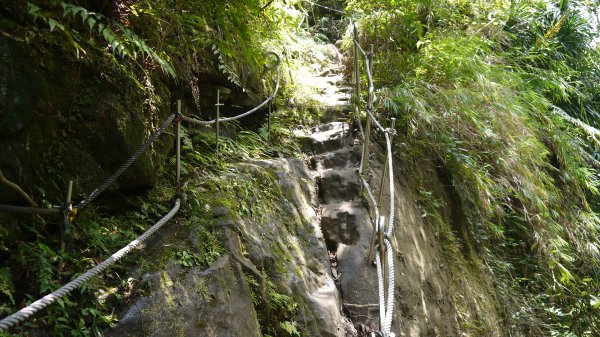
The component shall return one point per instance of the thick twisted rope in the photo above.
(371, 197)
(386, 303)
(391, 183)
(380, 287)
(590, 131)
(389, 311)
(125, 166)
(375, 121)
(45, 301)
(359, 122)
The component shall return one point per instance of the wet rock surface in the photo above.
(345, 223)
(282, 251)
(346, 157)
(339, 185)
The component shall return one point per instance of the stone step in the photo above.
(338, 185)
(331, 126)
(347, 229)
(344, 158)
(325, 138)
(339, 222)
(345, 89)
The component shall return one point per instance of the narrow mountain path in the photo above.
(334, 160)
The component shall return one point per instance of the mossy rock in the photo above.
(65, 119)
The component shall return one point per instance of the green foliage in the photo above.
(209, 250)
(474, 87)
(187, 259)
(7, 288)
(553, 47)
(132, 46)
(122, 41)
(275, 310)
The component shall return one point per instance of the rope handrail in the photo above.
(45, 301)
(143, 148)
(249, 112)
(591, 131)
(388, 141)
(379, 126)
(385, 254)
(101, 188)
(360, 48)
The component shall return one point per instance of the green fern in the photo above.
(122, 41)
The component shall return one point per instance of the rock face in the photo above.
(325, 138)
(346, 224)
(282, 250)
(62, 118)
(59, 120)
(214, 302)
(339, 185)
(428, 302)
(339, 222)
(346, 157)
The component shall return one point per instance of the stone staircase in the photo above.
(345, 221)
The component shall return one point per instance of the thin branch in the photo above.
(591, 160)
(266, 5)
(17, 188)
(591, 131)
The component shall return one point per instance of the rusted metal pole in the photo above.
(371, 256)
(385, 166)
(69, 192)
(66, 236)
(356, 76)
(365, 159)
(218, 105)
(269, 122)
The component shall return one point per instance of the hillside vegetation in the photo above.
(497, 104)
(483, 92)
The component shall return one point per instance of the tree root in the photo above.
(16, 188)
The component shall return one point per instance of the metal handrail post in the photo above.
(356, 75)
(385, 166)
(178, 144)
(365, 159)
(67, 210)
(371, 256)
(218, 105)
